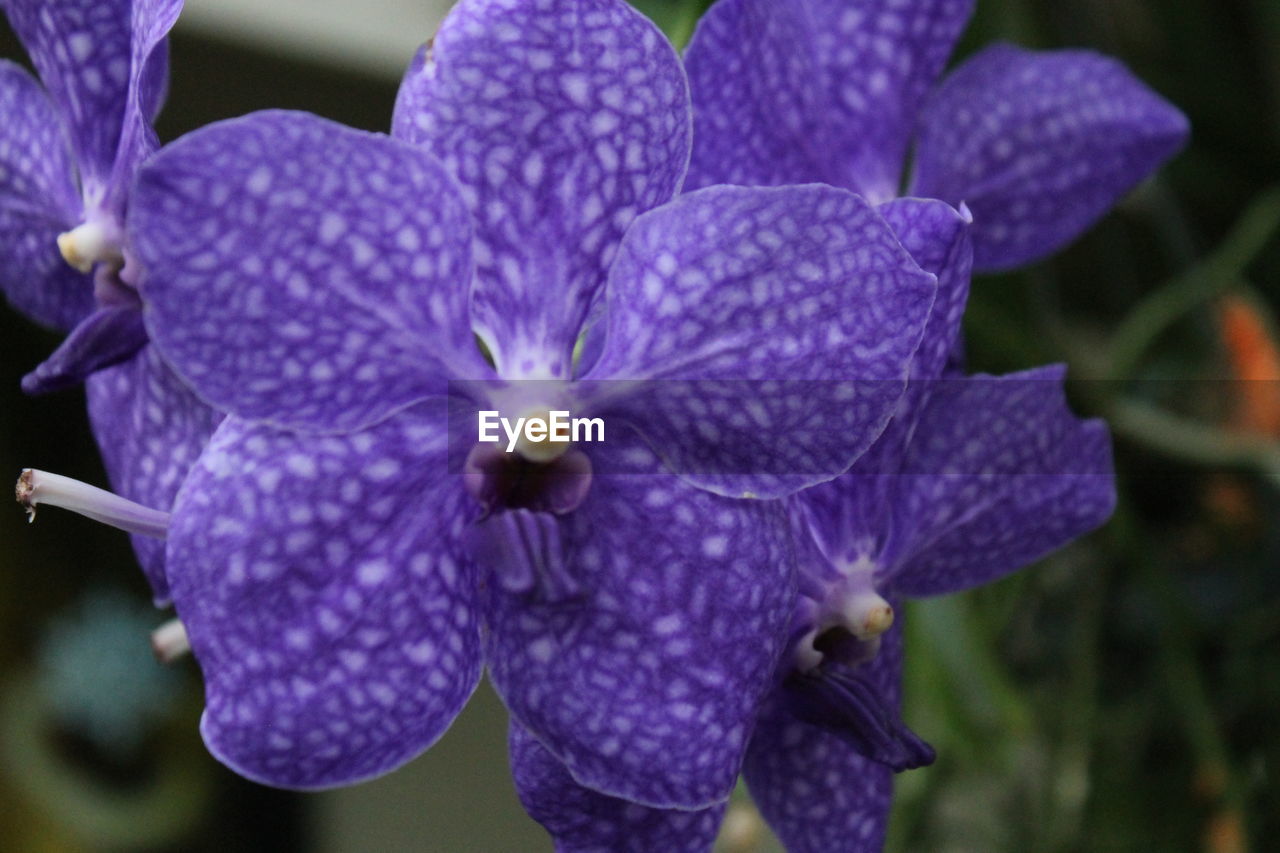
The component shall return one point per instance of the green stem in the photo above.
(1195, 442)
(1217, 273)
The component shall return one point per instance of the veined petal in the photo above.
(1040, 146)
(646, 686)
(38, 201)
(81, 48)
(563, 120)
(851, 511)
(325, 597)
(813, 788)
(302, 273)
(788, 91)
(758, 116)
(151, 21)
(1000, 473)
(937, 237)
(150, 429)
(772, 330)
(583, 821)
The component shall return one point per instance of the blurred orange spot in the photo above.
(1225, 833)
(1255, 359)
(1229, 501)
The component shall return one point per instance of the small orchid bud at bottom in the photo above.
(170, 642)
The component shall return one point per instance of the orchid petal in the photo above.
(583, 821)
(789, 91)
(1040, 146)
(81, 49)
(937, 238)
(148, 83)
(1000, 474)
(302, 273)
(563, 120)
(37, 203)
(767, 332)
(326, 598)
(646, 685)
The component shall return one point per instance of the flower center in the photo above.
(846, 623)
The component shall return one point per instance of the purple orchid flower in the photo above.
(333, 568)
(69, 149)
(1039, 145)
(973, 478)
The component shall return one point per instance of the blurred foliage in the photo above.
(1120, 696)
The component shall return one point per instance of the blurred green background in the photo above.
(1121, 696)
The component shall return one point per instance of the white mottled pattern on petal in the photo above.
(788, 91)
(647, 686)
(774, 329)
(303, 273)
(38, 201)
(758, 116)
(850, 516)
(999, 473)
(937, 237)
(1039, 146)
(583, 821)
(563, 120)
(81, 48)
(148, 83)
(327, 602)
(150, 429)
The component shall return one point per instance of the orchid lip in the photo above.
(35, 488)
(500, 480)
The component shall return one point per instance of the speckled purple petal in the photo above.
(150, 429)
(789, 91)
(563, 120)
(38, 202)
(850, 516)
(814, 790)
(327, 603)
(81, 48)
(730, 287)
(1000, 473)
(937, 237)
(583, 821)
(646, 686)
(303, 273)
(1040, 145)
(758, 111)
(148, 82)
